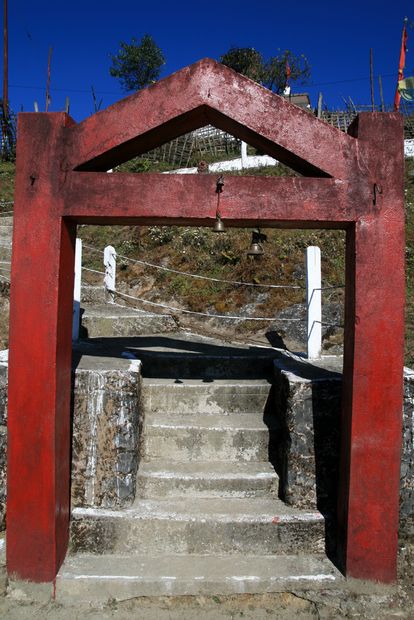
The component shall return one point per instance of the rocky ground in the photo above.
(372, 603)
(4, 314)
(355, 599)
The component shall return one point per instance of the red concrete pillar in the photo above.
(373, 366)
(40, 355)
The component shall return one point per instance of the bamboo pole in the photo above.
(49, 58)
(371, 78)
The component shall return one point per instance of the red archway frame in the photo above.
(351, 181)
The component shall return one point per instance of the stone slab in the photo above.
(3, 388)
(224, 526)
(165, 479)
(92, 578)
(112, 320)
(217, 396)
(3, 569)
(215, 437)
(6, 220)
(93, 294)
(183, 355)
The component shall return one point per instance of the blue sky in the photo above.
(336, 38)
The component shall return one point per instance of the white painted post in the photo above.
(243, 154)
(77, 290)
(314, 302)
(110, 268)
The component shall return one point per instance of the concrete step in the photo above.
(165, 479)
(197, 437)
(6, 220)
(91, 578)
(5, 243)
(206, 526)
(6, 231)
(93, 294)
(216, 396)
(239, 364)
(108, 320)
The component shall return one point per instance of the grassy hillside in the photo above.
(223, 256)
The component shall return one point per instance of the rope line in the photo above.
(102, 273)
(193, 275)
(212, 316)
(5, 213)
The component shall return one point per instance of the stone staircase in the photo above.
(101, 318)
(206, 517)
(6, 234)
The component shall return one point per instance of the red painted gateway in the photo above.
(349, 181)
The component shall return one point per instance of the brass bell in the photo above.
(219, 225)
(255, 249)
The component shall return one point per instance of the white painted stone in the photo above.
(244, 157)
(314, 301)
(77, 290)
(110, 267)
(409, 148)
(245, 161)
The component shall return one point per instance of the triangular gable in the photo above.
(210, 93)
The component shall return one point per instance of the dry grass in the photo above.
(223, 256)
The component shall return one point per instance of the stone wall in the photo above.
(305, 445)
(305, 449)
(407, 455)
(105, 436)
(3, 441)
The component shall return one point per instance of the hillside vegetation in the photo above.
(223, 256)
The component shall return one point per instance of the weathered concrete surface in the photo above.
(219, 396)
(103, 321)
(93, 294)
(3, 437)
(348, 601)
(407, 457)
(305, 443)
(206, 526)
(3, 387)
(3, 474)
(168, 478)
(231, 437)
(105, 433)
(98, 578)
(3, 570)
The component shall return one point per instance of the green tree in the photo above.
(245, 60)
(286, 66)
(137, 64)
(273, 73)
(7, 133)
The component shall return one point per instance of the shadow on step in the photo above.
(183, 356)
